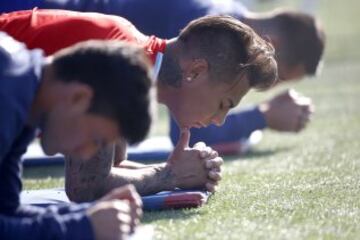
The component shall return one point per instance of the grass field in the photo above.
(304, 186)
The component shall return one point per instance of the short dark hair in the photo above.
(119, 75)
(231, 49)
(304, 40)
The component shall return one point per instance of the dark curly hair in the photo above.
(119, 75)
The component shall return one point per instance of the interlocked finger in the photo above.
(214, 163)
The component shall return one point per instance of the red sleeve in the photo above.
(52, 30)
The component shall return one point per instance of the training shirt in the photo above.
(52, 30)
(20, 71)
(165, 18)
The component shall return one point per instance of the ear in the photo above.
(274, 39)
(79, 97)
(196, 70)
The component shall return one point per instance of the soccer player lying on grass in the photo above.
(79, 99)
(204, 72)
(297, 38)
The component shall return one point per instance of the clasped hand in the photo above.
(198, 167)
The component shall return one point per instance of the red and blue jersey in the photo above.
(52, 30)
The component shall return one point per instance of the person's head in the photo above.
(299, 42)
(97, 91)
(216, 61)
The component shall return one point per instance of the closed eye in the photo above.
(221, 106)
(231, 104)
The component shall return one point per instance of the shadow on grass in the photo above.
(58, 171)
(257, 154)
(152, 216)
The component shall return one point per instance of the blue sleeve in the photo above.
(19, 74)
(162, 18)
(16, 5)
(236, 127)
(227, 7)
(19, 69)
(64, 222)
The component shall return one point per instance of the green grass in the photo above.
(304, 186)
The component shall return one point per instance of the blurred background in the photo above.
(341, 22)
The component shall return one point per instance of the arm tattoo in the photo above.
(84, 179)
(161, 180)
(153, 179)
(91, 179)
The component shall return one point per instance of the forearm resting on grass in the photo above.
(88, 180)
(186, 168)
